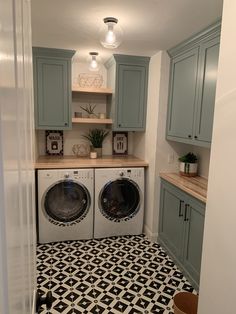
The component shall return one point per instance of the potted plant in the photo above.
(90, 110)
(96, 138)
(188, 165)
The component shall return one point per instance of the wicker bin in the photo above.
(185, 303)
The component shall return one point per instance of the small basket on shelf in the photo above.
(90, 80)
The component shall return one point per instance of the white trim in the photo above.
(34, 302)
(152, 236)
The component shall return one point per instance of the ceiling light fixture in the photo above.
(94, 64)
(111, 33)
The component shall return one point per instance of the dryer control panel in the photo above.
(130, 172)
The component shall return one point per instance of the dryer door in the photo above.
(120, 200)
(66, 202)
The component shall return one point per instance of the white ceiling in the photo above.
(148, 25)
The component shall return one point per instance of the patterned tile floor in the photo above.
(126, 274)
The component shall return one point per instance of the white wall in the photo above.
(145, 142)
(203, 155)
(82, 67)
(74, 136)
(218, 273)
(152, 145)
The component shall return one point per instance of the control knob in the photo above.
(67, 175)
(121, 174)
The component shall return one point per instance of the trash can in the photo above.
(185, 303)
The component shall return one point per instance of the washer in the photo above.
(119, 202)
(65, 204)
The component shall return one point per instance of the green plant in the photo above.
(89, 109)
(189, 158)
(96, 137)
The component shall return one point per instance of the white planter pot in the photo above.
(187, 169)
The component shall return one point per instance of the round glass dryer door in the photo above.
(120, 200)
(66, 202)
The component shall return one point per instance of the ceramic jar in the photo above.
(188, 169)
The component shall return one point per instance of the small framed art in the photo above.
(54, 143)
(119, 143)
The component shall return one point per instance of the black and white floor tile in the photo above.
(126, 274)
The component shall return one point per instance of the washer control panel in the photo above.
(75, 174)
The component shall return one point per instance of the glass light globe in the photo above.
(111, 33)
(94, 62)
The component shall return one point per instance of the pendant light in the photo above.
(111, 33)
(94, 65)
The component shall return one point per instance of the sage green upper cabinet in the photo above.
(193, 76)
(209, 55)
(128, 77)
(52, 88)
(184, 72)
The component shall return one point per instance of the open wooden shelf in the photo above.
(101, 90)
(92, 120)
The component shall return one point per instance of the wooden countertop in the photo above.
(195, 186)
(60, 162)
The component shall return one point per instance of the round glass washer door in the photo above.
(66, 202)
(120, 200)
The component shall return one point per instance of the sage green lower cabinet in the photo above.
(192, 254)
(52, 88)
(181, 225)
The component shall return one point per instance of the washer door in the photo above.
(120, 200)
(66, 202)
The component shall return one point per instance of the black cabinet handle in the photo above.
(185, 212)
(189, 136)
(119, 125)
(66, 123)
(195, 136)
(180, 208)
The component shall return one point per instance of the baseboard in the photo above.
(34, 302)
(152, 236)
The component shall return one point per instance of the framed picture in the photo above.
(54, 143)
(119, 143)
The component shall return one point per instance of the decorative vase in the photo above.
(188, 169)
(98, 150)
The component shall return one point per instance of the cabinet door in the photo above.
(171, 219)
(193, 239)
(52, 93)
(206, 100)
(182, 97)
(131, 100)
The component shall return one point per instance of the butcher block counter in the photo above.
(60, 162)
(195, 186)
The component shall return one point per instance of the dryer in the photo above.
(119, 202)
(65, 204)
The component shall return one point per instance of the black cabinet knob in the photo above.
(66, 123)
(119, 125)
(189, 136)
(195, 136)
